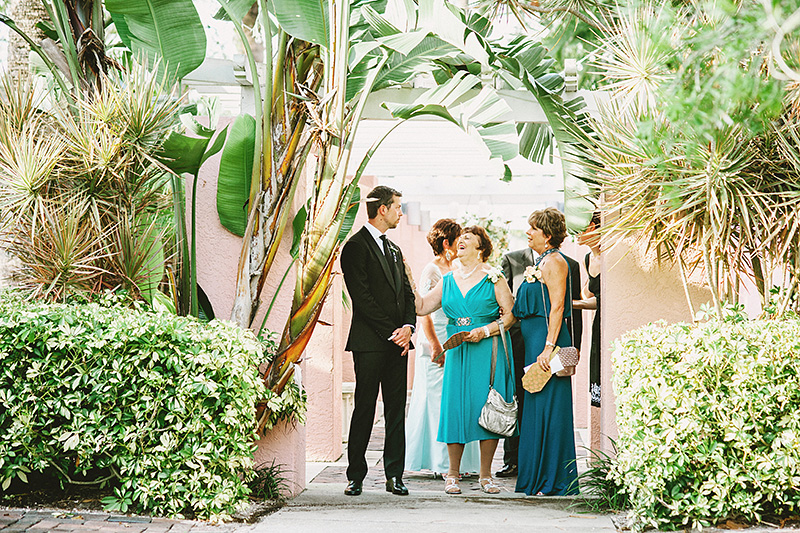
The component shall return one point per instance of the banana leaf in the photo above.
(235, 174)
(170, 30)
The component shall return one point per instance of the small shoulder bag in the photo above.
(569, 356)
(498, 415)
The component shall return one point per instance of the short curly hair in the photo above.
(551, 222)
(485, 245)
(445, 229)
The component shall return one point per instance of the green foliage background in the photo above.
(158, 406)
(707, 417)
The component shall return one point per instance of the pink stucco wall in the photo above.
(217, 261)
(635, 293)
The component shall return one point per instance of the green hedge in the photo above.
(159, 406)
(709, 421)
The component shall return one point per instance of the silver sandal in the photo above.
(451, 485)
(488, 485)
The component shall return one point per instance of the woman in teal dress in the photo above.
(423, 451)
(472, 297)
(547, 440)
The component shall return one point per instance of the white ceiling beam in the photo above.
(523, 104)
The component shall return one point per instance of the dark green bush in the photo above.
(708, 421)
(159, 406)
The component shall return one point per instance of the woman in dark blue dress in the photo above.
(547, 440)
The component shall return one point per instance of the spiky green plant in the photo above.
(81, 191)
(697, 150)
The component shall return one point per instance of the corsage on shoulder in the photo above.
(533, 273)
(494, 274)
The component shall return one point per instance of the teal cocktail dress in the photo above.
(467, 367)
(547, 438)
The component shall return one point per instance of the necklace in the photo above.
(465, 276)
(545, 254)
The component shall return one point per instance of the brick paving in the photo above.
(36, 521)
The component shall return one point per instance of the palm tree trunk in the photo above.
(26, 14)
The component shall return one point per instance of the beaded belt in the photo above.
(462, 321)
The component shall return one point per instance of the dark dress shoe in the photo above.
(507, 471)
(354, 488)
(395, 486)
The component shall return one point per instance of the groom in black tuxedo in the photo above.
(380, 338)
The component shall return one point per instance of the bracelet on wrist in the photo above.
(486, 331)
(548, 343)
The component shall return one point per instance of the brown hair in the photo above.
(445, 229)
(551, 222)
(485, 245)
(380, 195)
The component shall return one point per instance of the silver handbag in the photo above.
(498, 415)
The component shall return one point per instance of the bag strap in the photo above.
(571, 309)
(494, 353)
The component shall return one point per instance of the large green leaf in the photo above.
(235, 174)
(535, 140)
(239, 8)
(484, 115)
(350, 215)
(183, 154)
(169, 30)
(306, 20)
(298, 224)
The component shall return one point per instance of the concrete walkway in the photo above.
(323, 507)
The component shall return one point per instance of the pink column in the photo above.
(217, 262)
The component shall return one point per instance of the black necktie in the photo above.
(386, 251)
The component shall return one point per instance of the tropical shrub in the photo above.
(84, 204)
(707, 417)
(157, 406)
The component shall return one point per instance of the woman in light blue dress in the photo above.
(423, 451)
(472, 298)
(547, 439)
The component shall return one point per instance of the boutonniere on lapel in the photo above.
(533, 273)
(392, 250)
(494, 274)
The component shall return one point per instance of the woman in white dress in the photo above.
(423, 451)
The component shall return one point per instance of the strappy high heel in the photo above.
(451, 485)
(488, 485)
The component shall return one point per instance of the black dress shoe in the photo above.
(507, 471)
(354, 488)
(395, 486)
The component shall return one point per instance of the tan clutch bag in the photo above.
(535, 378)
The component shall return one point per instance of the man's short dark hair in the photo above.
(382, 195)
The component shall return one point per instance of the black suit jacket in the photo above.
(514, 265)
(380, 293)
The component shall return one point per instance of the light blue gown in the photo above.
(547, 437)
(423, 451)
(467, 367)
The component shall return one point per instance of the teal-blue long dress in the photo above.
(467, 367)
(547, 439)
